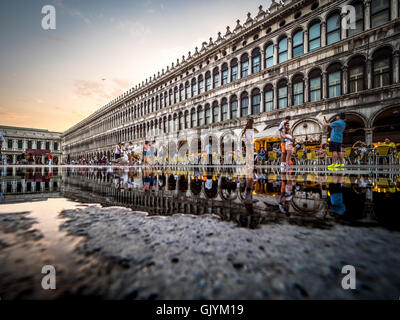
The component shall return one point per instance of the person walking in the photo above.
(335, 143)
(50, 159)
(289, 139)
(283, 143)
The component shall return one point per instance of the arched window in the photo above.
(298, 90)
(200, 115)
(382, 66)
(244, 65)
(165, 99)
(269, 97)
(169, 124)
(201, 84)
(282, 94)
(234, 107)
(283, 50)
(194, 87)
(255, 101)
(359, 6)
(256, 60)
(298, 45)
(170, 97)
(224, 107)
(244, 104)
(207, 114)
(208, 80)
(334, 80)
(269, 56)
(181, 92)
(216, 78)
(380, 12)
(187, 90)
(224, 71)
(152, 104)
(356, 74)
(175, 123)
(193, 118)
(157, 103)
(314, 36)
(315, 85)
(215, 109)
(333, 29)
(165, 124)
(234, 70)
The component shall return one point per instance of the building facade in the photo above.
(308, 59)
(37, 142)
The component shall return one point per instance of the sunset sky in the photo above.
(52, 79)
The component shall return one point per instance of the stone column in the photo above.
(275, 54)
(14, 159)
(306, 90)
(305, 43)
(276, 96)
(262, 102)
(323, 34)
(369, 73)
(396, 67)
(369, 135)
(290, 94)
(343, 18)
(344, 80)
(324, 85)
(262, 62)
(290, 48)
(367, 14)
(394, 9)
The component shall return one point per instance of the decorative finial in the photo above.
(238, 26)
(228, 31)
(219, 37)
(211, 42)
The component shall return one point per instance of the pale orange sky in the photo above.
(53, 79)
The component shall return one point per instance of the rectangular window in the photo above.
(333, 29)
(315, 89)
(29, 144)
(207, 116)
(20, 144)
(356, 79)
(10, 144)
(234, 75)
(256, 104)
(315, 37)
(256, 64)
(283, 50)
(298, 48)
(55, 146)
(382, 73)
(193, 119)
(47, 145)
(201, 114)
(216, 80)
(216, 114)
(224, 77)
(283, 98)
(187, 92)
(269, 100)
(224, 112)
(334, 84)
(269, 56)
(194, 89)
(380, 12)
(359, 20)
(38, 145)
(298, 97)
(201, 86)
(244, 108)
(208, 84)
(245, 69)
(234, 109)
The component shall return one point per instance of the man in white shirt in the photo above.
(283, 150)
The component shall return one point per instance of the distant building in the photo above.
(299, 58)
(38, 143)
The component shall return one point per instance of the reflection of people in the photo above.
(286, 194)
(337, 206)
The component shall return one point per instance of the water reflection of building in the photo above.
(294, 59)
(21, 185)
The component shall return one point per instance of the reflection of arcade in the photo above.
(249, 201)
